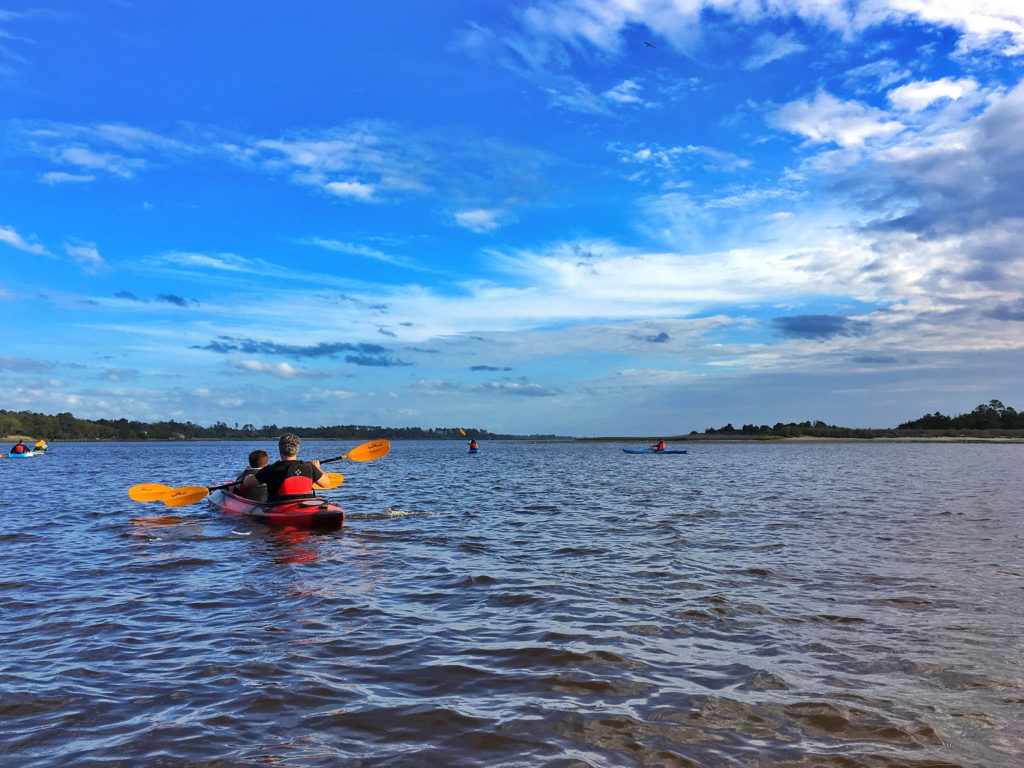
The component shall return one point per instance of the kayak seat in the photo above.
(256, 493)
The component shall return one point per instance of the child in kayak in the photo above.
(257, 460)
(289, 478)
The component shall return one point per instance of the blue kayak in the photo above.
(473, 450)
(25, 455)
(648, 450)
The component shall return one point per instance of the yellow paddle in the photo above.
(365, 452)
(149, 492)
(190, 494)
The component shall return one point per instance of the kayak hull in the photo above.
(648, 450)
(26, 455)
(473, 450)
(301, 513)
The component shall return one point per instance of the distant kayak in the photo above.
(648, 450)
(25, 455)
(473, 450)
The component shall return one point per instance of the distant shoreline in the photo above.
(806, 439)
(633, 439)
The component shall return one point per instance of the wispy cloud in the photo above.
(12, 238)
(479, 219)
(60, 177)
(770, 47)
(997, 25)
(119, 374)
(674, 162)
(87, 256)
(823, 118)
(515, 387)
(279, 370)
(357, 249)
(111, 163)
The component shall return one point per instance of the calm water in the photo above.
(831, 605)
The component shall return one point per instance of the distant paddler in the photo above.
(19, 449)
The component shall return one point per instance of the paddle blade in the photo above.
(462, 431)
(335, 478)
(148, 492)
(369, 451)
(187, 494)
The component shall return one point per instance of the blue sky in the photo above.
(518, 216)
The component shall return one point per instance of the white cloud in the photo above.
(917, 96)
(357, 250)
(87, 256)
(992, 24)
(479, 219)
(884, 72)
(770, 47)
(354, 189)
(356, 163)
(628, 92)
(11, 237)
(281, 370)
(318, 394)
(679, 158)
(825, 119)
(59, 177)
(228, 262)
(117, 165)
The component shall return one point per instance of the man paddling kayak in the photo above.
(289, 478)
(19, 448)
(659, 446)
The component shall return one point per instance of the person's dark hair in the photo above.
(288, 445)
(258, 459)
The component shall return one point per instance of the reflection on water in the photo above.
(831, 605)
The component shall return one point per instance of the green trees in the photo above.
(991, 417)
(987, 416)
(64, 426)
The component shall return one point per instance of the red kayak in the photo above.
(301, 513)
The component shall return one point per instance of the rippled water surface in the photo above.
(835, 604)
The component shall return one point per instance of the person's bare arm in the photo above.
(324, 481)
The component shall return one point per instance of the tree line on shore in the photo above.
(64, 426)
(988, 419)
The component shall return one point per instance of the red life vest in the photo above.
(293, 486)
